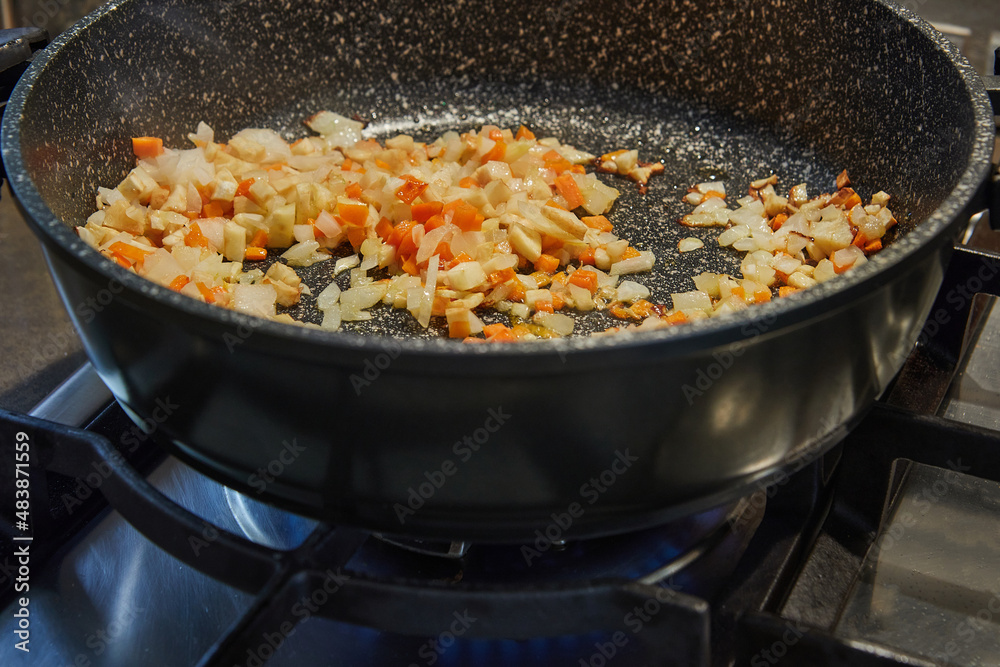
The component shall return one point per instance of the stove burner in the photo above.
(449, 550)
(649, 556)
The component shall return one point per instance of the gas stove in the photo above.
(883, 551)
(825, 567)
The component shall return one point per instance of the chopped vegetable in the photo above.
(147, 147)
(455, 225)
(488, 219)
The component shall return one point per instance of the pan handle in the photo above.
(17, 48)
(992, 84)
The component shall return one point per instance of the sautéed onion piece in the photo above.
(488, 219)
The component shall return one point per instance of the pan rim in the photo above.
(932, 232)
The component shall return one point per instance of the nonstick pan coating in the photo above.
(694, 143)
(726, 90)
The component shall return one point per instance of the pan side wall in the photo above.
(635, 436)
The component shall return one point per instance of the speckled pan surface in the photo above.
(730, 88)
(735, 90)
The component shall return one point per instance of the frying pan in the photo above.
(397, 430)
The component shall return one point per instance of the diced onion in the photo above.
(690, 243)
(644, 262)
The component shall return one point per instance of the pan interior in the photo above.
(717, 90)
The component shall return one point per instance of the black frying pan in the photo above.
(396, 431)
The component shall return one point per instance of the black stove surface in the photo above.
(764, 586)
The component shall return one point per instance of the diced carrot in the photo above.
(212, 210)
(410, 266)
(410, 189)
(556, 162)
(558, 301)
(619, 311)
(852, 201)
(347, 165)
(578, 169)
(630, 252)
(642, 308)
(585, 279)
(491, 330)
(560, 279)
(677, 318)
(407, 245)
(586, 256)
(570, 191)
(501, 276)
(517, 292)
(402, 230)
(497, 152)
(467, 218)
(524, 133)
(356, 236)
(554, 204)
(259, 239)
(598, 222)
(434, 222)
(786, 290)
(206, 293)
(762, 295)
(243, 189)
(468, 182)
(459, 329)
(547, 263)
(873, 246)
(778, 221)
(277, 166)
(384, 229)
(544, 307)
(738, 291)
(354, 191)
(353, 214)
(423, 211)
(507, 336)
(460, 259)
(255, 254)
(195, 238)
(122, 261)
(147, 147)
(192, 215)
(178, 283)
(443, 251)
(382, 164)
(520, 331)
(496, 134)
(129, 252)
(860, 239)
